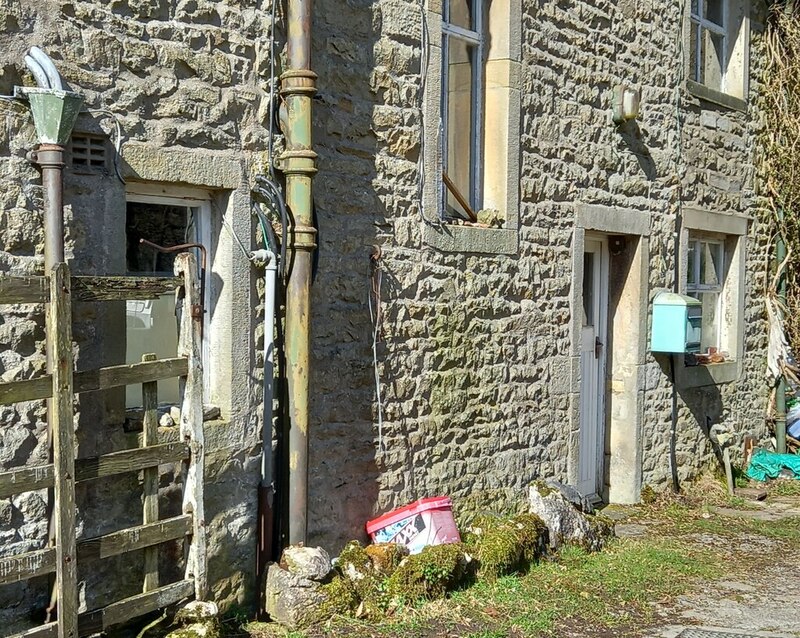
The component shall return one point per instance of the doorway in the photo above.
(594, 336)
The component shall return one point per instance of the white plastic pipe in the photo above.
(270, 277)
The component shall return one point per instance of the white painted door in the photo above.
(593, 365)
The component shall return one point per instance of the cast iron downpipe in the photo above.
(298, 163)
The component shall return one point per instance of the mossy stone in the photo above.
(430, 574)
(504, 545)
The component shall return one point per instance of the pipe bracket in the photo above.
(304, 237)
(297, 162)
(298, 82)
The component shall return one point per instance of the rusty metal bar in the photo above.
(459, 197)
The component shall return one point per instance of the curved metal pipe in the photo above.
(49, 68)
(38, 72)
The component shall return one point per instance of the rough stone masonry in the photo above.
(476, 357)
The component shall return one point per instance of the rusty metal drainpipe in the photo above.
(50, 157)
(298, 163)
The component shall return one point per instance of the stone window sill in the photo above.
(716, 97)
(471, 239)
(704, 375)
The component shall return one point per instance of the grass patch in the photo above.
(784, 487)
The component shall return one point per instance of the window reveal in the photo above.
(462, 107)
(718, 44)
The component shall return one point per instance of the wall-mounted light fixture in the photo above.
(625, 103)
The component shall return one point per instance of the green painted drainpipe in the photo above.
(298, 163)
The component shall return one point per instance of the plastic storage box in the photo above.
(428, 521)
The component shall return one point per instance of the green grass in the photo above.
(785, 487)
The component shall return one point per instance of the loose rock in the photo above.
(566, 522)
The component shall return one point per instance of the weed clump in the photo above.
(504, 545)
(430, 574)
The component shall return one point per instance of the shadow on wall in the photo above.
(343, 482)
(705, 407)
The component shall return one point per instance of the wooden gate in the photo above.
(58, 291)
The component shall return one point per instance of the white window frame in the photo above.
(699, 22)
(696, 288)
(732, 230)
(199, 202)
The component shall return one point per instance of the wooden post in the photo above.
(191, 425)
(61, 418)
(150, 478)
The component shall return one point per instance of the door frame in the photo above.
(624, 459)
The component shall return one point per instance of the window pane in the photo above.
(460, 63)
(460, 13)
(712, 56)
(695, 7)
(710, 336)
(691, 263)
(712, 11)
(710, 264)
(151, 326)
(588, 289)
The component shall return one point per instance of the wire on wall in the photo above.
(375, 315)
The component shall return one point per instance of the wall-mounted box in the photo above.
(677, 323)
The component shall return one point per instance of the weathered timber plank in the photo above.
(130, 374)
(130, 460)
(122, 288)
(27, 390)
(15, 289)
(28, 565)
(60, 417)
(37, 478)
(191, 426)
(43, 561)
(101, 619)
(100, 379)
(50, 630)
(133, 538)
(25, 480)
(150, 477)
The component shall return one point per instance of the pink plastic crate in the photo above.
(428, 521)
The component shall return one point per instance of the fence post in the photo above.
(191, 425)
(150, 475)
(61, 417)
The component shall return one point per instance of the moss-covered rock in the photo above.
(386, 557)
(430, 574)
(341, 599)
(504, 545)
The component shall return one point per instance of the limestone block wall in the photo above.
(474, 356)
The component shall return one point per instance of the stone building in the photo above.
(505, 351)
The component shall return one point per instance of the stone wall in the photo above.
(476, 348)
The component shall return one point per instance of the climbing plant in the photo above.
(779, 147)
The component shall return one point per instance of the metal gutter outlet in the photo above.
(54, 112)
